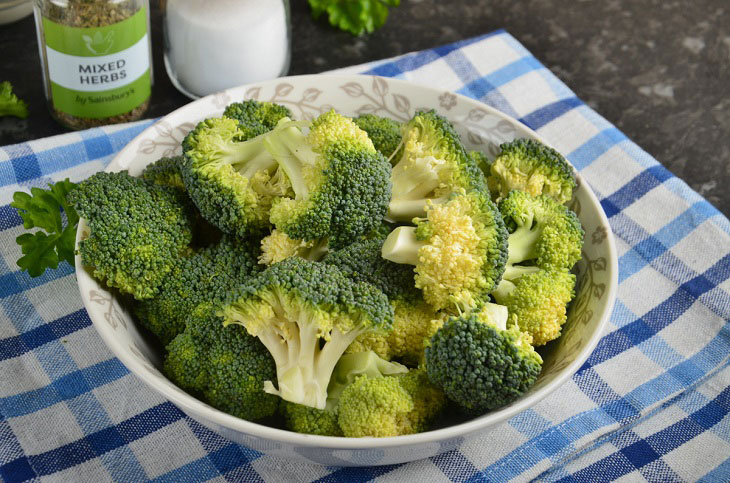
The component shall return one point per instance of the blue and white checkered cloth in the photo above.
(651, 402)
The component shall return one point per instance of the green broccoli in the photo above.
(480, 363)
(528, 165)
(389, 406)
(432, 166)
(459, 250)
(139, 231)
(278, 246)
(539, 301)
(256, 117)
(543, 234)
(414, 320)
(306, 314)
(340, 182)
(233, 182)
(165, 172)
(224, 366)
(306, 419)
(206, 276)
(10, 105)
(383, 132)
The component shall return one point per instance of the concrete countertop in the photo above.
(658, 69)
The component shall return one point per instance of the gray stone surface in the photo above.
(659, 70)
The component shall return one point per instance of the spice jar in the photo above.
(211, 46)
(96, 60)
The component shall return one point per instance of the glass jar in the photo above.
(212, 46)
(96, 60)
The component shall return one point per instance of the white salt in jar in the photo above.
(211, 45)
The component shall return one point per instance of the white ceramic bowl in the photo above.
(481, 127)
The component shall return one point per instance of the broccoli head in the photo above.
(528, 165)
(340, 182)
(139, 230)
(479, 363)
(306, 314)
(309, 420)
(256, 117)
(459, 250)
(383, 132)
(204, 277)
(543, 234)
(539, 301)
(224, 366)
(232, 181)
(278, 246)
(389, 406)
(165, 172)
(10, 105)
(432, 166)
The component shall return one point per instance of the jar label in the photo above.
(98, 72)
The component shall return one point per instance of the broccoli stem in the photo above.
(247, 157)
(503, 290)
(406, 210)
(413, 180)
(522, 243)
(289, 147)
(303, 369)
(402, 246)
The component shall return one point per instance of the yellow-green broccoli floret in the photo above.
(385, 133)
(459, 250)
(224, 366)
(278, 246)
(138, 231)
(340, 182)
(389, 406)
(306, 314)
(204, 277)
(539, 301)
(480, 363)
(543, 234)
(306, 419)
(432, 166)
(165, 172)
(528, 165)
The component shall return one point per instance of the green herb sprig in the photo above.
(54, 242)
(354, 16)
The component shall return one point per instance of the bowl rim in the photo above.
(193, 406)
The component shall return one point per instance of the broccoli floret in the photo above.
(224, 366)
(306, 419)
(340, 182)
(309, 420)
(10, 105)
(256, 117)
(433, 165)
(414, 320)
(389, 406)
(278, 246)
(233, 182)
(459, 250)
(479, 363)
(383, 132)
(165, 172)
(206, 276)
(306, 314)
(539, 301)
(139, 231)
(528, 165)
(543, 234)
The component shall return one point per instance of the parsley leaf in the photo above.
(53, 243)
(354, 16)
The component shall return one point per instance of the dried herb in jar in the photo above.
(96, 60)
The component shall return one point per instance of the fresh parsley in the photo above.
(354, 16)
(54, 242)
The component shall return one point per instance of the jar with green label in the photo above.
(96, 60)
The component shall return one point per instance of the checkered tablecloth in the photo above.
(651, 402)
